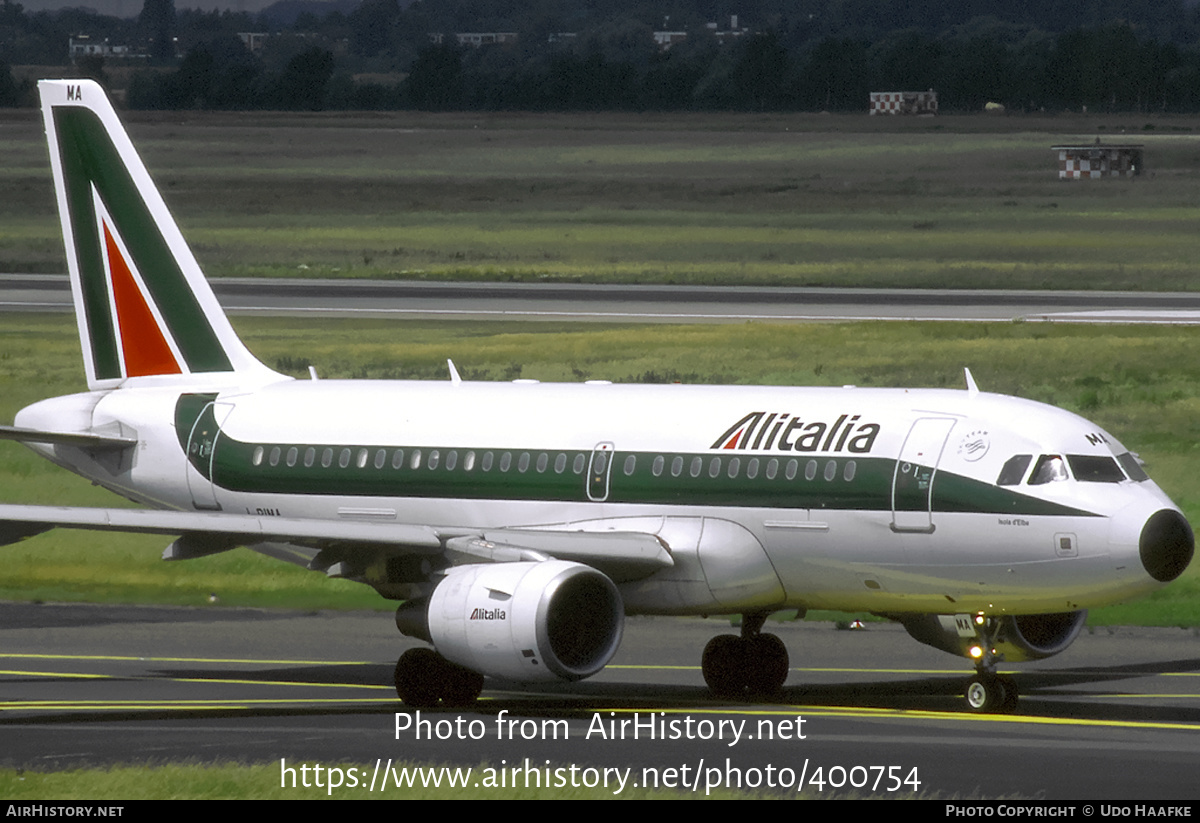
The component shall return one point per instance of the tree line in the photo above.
(808, 55)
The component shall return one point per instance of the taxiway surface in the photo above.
(642, 304)
(1117, 716)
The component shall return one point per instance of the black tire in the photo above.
(462, 687)
(985, 693)
(1011, 695)
(724, 666)
(766, 660)
(418, 674)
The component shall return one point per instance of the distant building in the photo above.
(83, 45)
(1098, 160)
(253, 40)
(904, 102)
(666, 39)
(475, 39)
(724, 36)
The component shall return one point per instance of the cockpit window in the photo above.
(1091, 468)
(1050, 468)
(1132, 467)
(1013, 471)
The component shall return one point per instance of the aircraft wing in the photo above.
(624, 555)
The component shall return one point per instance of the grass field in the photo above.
(1140, 383)
(970, 201)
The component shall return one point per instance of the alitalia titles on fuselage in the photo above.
(786, 432)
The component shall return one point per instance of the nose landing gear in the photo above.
(987, 691)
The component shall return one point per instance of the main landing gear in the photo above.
(988, 692)
(752, 665)
(424, 678)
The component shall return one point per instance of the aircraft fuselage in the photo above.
(851, 499)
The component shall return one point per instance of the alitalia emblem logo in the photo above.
(488, 614)
(786, 432)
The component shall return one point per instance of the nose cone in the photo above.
(1166, 545)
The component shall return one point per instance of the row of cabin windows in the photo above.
(415, 458)
(769, 468)
(695, 467)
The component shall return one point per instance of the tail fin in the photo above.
(143, 306)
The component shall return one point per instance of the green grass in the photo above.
(224, 781)
(1140, 383)
(797, 200)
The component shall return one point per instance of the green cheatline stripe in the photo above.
(864, 487)
(89, 158)
(77, 153)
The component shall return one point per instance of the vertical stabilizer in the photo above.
(144, 308)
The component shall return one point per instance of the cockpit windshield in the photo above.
(1091, 468)
(1086, 468)
(1050, 468)
(1133, 467)
(1013, 470)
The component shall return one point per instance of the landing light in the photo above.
(975, 651)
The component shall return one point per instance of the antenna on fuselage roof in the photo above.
(972, 389)
(454, 378)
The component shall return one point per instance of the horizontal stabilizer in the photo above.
(84, 440)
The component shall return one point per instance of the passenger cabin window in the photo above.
(1050, 468)
(1091, 468)
(1013, 470)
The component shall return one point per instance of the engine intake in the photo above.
(1024, 637)
(531, 622)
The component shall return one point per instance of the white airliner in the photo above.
(520, 523)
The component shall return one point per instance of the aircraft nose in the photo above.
(1166, 545)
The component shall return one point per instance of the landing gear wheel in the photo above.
(423, 677)
(753, 665)
(462, 686)
(991, 693)
(417, 676)
(724, 665)
(1011, 695)
(766, 664)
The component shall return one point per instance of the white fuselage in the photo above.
(884, 500)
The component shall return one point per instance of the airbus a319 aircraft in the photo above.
(519, 523)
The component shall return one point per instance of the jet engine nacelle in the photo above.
(1024, 637)
(530, 622)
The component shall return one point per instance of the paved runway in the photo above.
(1115, 717)
(642, 304)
